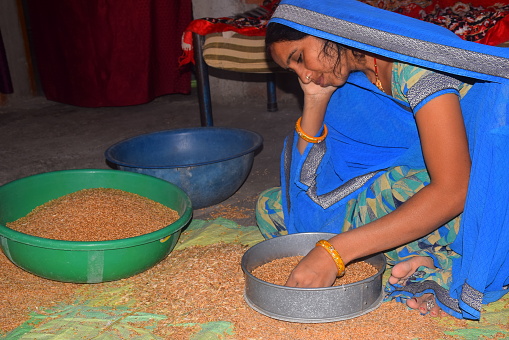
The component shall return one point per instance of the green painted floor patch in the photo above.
(478, 333)
(217, 330)
(109, 294)
(85, 322)
(25, 327)
(214, 330)
(203, 232)
(496, 313)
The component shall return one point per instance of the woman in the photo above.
(399, 150)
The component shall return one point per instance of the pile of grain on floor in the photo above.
(231, 212)
(205, 284)
(23, 292)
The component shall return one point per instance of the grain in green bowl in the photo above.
(97, 214)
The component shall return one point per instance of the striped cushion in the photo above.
(237, 52)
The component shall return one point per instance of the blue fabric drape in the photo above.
(396, 36)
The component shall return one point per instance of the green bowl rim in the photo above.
(160, 234)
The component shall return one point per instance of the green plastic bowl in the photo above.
(87, 262)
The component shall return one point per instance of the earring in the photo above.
(308, 77)
(377, 82)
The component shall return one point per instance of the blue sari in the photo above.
(318, 184)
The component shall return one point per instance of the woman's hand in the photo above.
(316, 269)
(316, 91)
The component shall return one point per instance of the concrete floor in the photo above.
(39, 136)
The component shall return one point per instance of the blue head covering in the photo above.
(358, 25)
(481, 274)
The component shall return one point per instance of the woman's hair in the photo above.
(277, 32)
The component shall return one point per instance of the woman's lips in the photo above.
(321, 82)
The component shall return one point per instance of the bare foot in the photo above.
(402, 271)
(425, 304)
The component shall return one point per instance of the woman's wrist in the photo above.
(338, 261)
(309, 127)
(309, 138)
(312, 118)
(311, 122)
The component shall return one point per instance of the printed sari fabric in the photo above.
(370, 132)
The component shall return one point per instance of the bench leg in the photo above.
(202, 80)
(271, 92)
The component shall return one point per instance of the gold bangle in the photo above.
(308, 138)
(334, 254)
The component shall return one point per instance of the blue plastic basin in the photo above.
(209, 163)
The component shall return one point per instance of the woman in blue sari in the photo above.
(400, 149)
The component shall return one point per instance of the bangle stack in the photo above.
(308, 138)
(334, 254)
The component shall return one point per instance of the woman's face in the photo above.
(307, 58)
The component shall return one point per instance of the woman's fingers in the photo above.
(317, 269)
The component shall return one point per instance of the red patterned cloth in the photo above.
(486, 25)
(482, 21)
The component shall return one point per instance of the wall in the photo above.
(12, 25)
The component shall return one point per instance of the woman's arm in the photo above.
(445, 148)
(316, 99)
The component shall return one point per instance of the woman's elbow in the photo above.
(457, 193)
